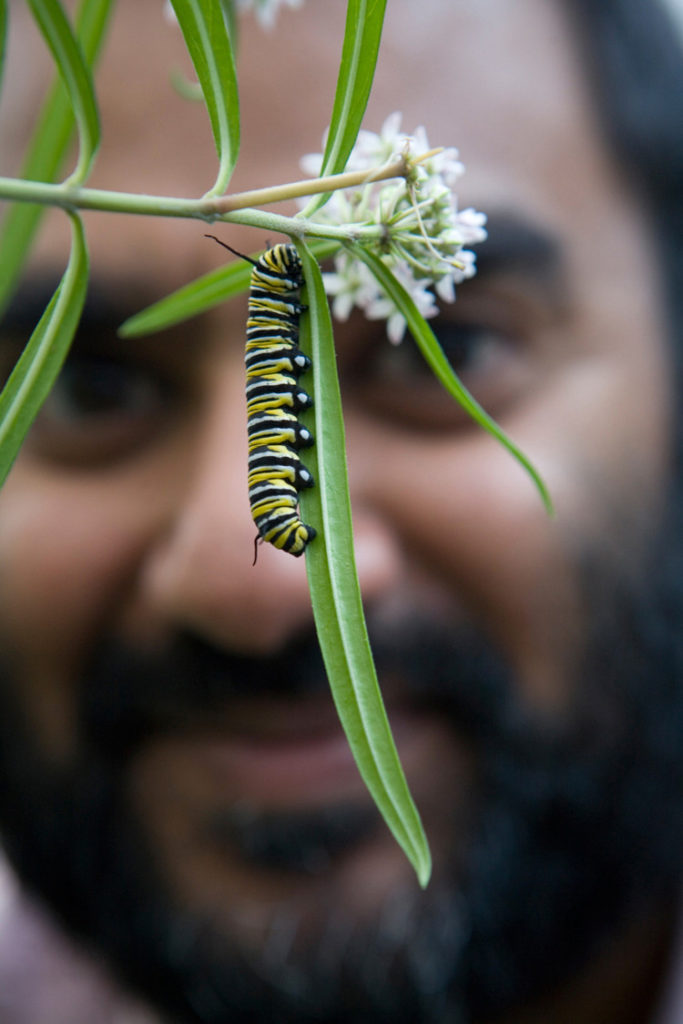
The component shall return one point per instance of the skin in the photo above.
(138, 526)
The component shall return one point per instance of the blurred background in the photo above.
(677, 8)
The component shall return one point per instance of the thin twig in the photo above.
(310, 186)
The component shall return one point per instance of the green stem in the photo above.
(73, 198)
(397, 168)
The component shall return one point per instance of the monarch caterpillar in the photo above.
(274, 363)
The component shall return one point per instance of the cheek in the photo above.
(68, 550)
(466, 514)
(464, 511)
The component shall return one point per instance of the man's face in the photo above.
(166, 694)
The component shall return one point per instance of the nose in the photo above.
(198, 573)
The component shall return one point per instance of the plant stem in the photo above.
(76, 198)
(309, 186)
(233, 208)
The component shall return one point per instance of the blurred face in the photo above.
(166, 711)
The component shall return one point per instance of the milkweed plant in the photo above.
(381, 205)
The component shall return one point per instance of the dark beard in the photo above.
(578, 824)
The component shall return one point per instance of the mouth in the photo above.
(283, 753)
(282, 764)
(226, 756)
(275, 784)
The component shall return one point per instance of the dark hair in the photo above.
(634, 54)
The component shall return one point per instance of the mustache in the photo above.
(127, 694)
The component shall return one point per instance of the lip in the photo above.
(279, 755)
(271, 771)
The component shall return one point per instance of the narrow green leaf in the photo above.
(42, 359)
(191, 91)
(335, 592)
(231, 22)
(46, 153)
(3, 35)
(206, 36)
(433, 353)
(192, 299)
(73, 68)
(364, 20)
(201, 294)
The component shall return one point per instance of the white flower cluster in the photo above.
(424, 234)
(265, 10)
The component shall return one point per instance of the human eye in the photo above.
(102, 408)
(485, 348)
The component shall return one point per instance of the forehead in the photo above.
(499, 79)
(476, 71)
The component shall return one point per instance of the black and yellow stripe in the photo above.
(274, 363)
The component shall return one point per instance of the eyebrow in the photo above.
(516, 244)
(28, 303)
(104, 308)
